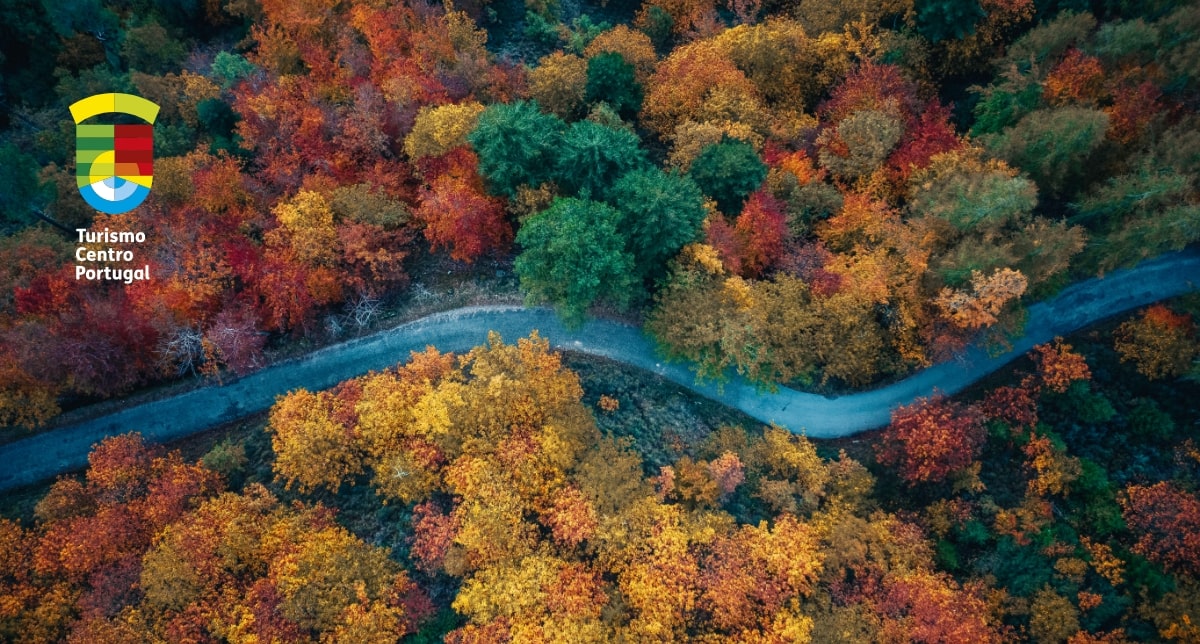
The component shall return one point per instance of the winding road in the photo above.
(65, 449)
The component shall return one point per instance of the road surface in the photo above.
(65, 449)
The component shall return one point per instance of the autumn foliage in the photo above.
(806, 193)
(459, 214)
(148, 547)
(1058, 366)
(554, 530)
(1166, 523)
(930, 439)
(522, 519)
(1160, 343)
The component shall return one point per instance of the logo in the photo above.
(114, 164)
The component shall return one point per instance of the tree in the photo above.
(1053, 618)
(573, 255)
(875, 87)
(1058, 366)
(1053, 146)
(571, 517)
(968, 192)
(25, 400)
(21, 193)
(324, 575)
(1166, 522)
(928, 607)
(592, 157)
(691, 137)
(1050, 39)
(633, 46)
(728, 172)
(458, 214)
(559, 82)
(612, 79)
(1141, 214)
(684, 16)
(1132, 111)
(1078, 79)
(859, 144)
(306, 225)
(661, 212)
(517, 146)
(684, 82)
(1053, 470)
(231, 68)
(762, 229)
(149, 48)
(1159, 342)
(930, 135)
(313, 442)
(696, 317)
(981, 307)
(930, 439)
(790, 69)
(1013, 405)
(439, 129)
(299, 574)
(940, 20)
(822, 19)
(750, 575)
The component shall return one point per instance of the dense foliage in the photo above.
(303, 150)
(1060, 506)
(808, 192)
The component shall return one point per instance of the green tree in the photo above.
(612, 79)
(944, 19)
(218, 119)
(149, 48)
(728, 172)
(1050, 39)
(1054, 146)
(21, 193)
(593, 156)
(517, 145)
(230, 68)
(661, 212)
(964, 190)
(1140, 214)
(30, 51)
(573, 256)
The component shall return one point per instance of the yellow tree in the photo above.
(1159, 342)
(689, 78)
(306, 225)
(789, 69)
(315, 442)
(559, 83)
(439, 129)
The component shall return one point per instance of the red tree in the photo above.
(721, 236)
(1013, 405)
(761, 229)
(932, 438)
(1059, 366)
(457, 212)
(1166, 521)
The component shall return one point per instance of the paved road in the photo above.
(45, 455)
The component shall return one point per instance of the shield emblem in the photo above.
(114, 164)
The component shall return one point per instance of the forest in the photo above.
(815, 195)
(827, 196)
(492, 497)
